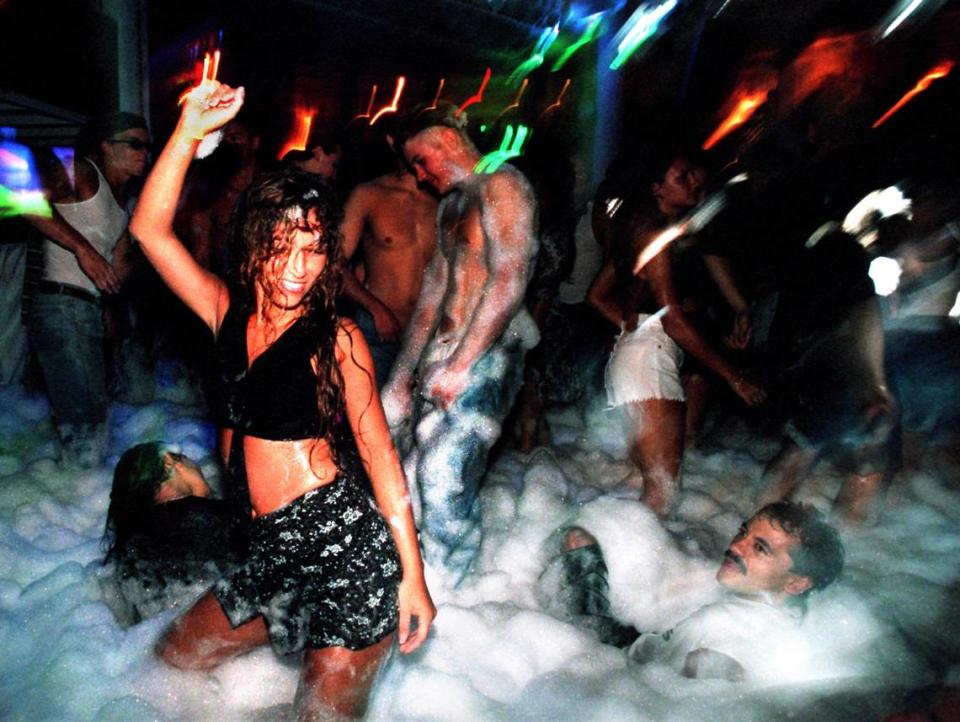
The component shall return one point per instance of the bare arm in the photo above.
(206, 108)
(425, 314)
(382, 463)
(397, 395)
(601, 295)
(508, 225)
(678, 327)
(123, 258)
(719, 269)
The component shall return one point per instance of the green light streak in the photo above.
(641, 26)
(510, 147)
(589, 34)
(18, 203)
(547, 37)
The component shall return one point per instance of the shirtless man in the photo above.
(394, 220)
(463, 349)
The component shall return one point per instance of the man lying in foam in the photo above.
(745, 628)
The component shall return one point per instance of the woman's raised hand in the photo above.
(209, 106)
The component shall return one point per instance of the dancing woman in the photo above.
(329, 571)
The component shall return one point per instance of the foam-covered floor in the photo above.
(888, 626)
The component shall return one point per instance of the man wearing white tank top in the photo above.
(86, 254)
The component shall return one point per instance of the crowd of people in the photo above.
(364, 350)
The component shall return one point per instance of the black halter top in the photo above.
(275, 397)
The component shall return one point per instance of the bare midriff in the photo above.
(279, 472)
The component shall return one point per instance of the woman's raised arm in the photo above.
(206, 108)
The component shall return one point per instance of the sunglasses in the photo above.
(134, 143)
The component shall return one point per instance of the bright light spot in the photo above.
(885, 274)
(613, 205)
(639, 28)
(907, 12)
(881, 203)
(955, 311)
(741, 113)
(657, 245)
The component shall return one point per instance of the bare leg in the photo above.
(696, 387)
(785, 472)
(657, 450)
(202, 638)
(335, 682)
(856, 497)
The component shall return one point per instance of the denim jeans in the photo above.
(384, 353)
(449, 458)
(67, 335)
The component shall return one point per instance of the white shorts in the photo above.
(644, 364)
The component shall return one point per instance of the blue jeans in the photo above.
(67, 335)
(449, 458)
(384, 352)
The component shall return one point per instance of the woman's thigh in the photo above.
(336, 682)
(203, 638)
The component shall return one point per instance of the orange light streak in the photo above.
(744, 108)
(373, 96)
(392, 107)
(301, 133)
(436, 98)
(937, 72)
(208, 74)
(516, 101)
(478, 96)
(559, 101)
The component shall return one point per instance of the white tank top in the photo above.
(100, 220)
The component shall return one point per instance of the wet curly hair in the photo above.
(137, 479)
(273, 208)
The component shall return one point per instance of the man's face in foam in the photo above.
(758, 562)
(430, 155)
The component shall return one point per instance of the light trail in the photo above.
(478, 96)
(937, 72)
(392, 107)
(741, 113)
